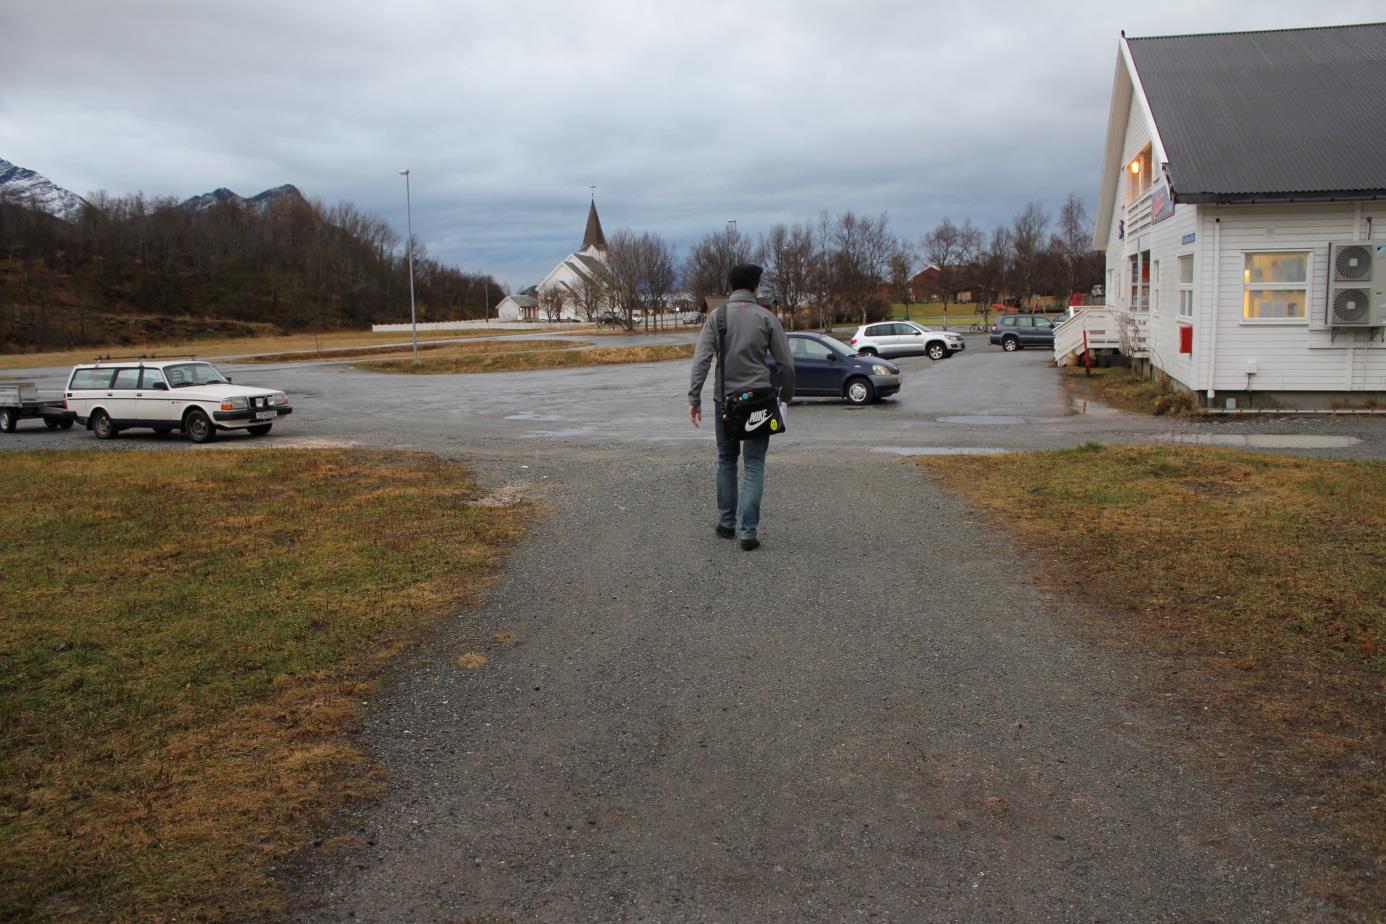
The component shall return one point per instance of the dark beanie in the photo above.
(744, 276)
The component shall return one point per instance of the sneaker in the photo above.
(748, 544)
(726, 532)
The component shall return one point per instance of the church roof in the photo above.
(593, 237)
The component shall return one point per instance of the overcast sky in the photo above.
(683, 115)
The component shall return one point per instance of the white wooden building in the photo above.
(1242, 210)
(580, 269)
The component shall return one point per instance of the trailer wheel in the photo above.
(51, 423)
(65, 423)
(7, 419)
(102, 426)
(259, 429)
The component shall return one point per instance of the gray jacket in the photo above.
(751, 333)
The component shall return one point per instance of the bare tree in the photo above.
(950, 248)
(994, 267)
(712, 258)
(591, 292)
(1028, 236)
(643, 274)
(862, 246)
(899, 265)
(788, 254)
(1074, 239)
(552, 301)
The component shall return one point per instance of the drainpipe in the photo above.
(1213, 323)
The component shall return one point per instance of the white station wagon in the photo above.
(167, 395)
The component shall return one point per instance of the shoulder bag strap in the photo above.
(721, 356)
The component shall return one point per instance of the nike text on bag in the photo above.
(751, 413)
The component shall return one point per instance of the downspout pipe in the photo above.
(1213, 310)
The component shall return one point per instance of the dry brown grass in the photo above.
(237, 346)
(488, 346)
(530, 359)
(1255, 578)
(1117, 387)
(183, 657)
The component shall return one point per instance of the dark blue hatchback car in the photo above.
(824, 367)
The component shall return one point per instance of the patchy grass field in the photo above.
(1264, 570)
(240, 346)
(486, 346)
(446, 362)
(183, 656)
(1116, 387)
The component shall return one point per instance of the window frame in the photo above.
(1186, 288)
(1307, 286)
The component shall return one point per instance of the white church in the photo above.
(573, 274)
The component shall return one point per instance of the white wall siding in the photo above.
(1164, 241)
(1304, 356)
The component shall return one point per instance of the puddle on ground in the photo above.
(942, 450)
(533, 415)
(1093, 409)
(1264, 440)
(984, 419)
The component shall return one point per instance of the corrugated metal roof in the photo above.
(1270, 116)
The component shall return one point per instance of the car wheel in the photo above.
(102, 426)
(198, 427)
(259, 429)
(1010, 344)
(859, 391)
(7, 420)
(868, 351)
(936, 350)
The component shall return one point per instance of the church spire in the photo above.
(593, 236)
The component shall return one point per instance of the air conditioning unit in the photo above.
(1357, 284)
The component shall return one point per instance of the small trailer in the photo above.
(21, 400)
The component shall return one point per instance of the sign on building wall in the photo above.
(1161, 205)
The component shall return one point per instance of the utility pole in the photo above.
(409, 217)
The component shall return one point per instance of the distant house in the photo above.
(522, 307)
(924, 285)
(1242, 210)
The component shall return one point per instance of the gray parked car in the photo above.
(1017, 331)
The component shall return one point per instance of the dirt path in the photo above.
(874, 715)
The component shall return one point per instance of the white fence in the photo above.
(1102, 326)
(453, 325)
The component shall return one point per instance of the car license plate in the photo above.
(264, 415)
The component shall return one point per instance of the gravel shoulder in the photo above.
(870, 715)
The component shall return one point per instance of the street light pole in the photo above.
(409, 217)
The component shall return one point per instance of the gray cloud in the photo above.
(683, 115)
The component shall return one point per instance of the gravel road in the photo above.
(875, 715)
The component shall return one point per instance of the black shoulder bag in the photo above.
(750, 412)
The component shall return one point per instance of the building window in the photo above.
(1155, 286)
(1276, 286)
(1186, 286)
(1140, 280)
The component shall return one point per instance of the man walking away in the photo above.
(752, 332)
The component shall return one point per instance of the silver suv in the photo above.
(905, 338)
(166, 395)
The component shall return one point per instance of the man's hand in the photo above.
(695, 414)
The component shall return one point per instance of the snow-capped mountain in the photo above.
(222, 194)
(23, 186)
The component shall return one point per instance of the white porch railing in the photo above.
(1103, 327)
(1139, 215)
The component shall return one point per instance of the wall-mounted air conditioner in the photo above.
(1357, 284)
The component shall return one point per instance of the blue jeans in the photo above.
(752, 487)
